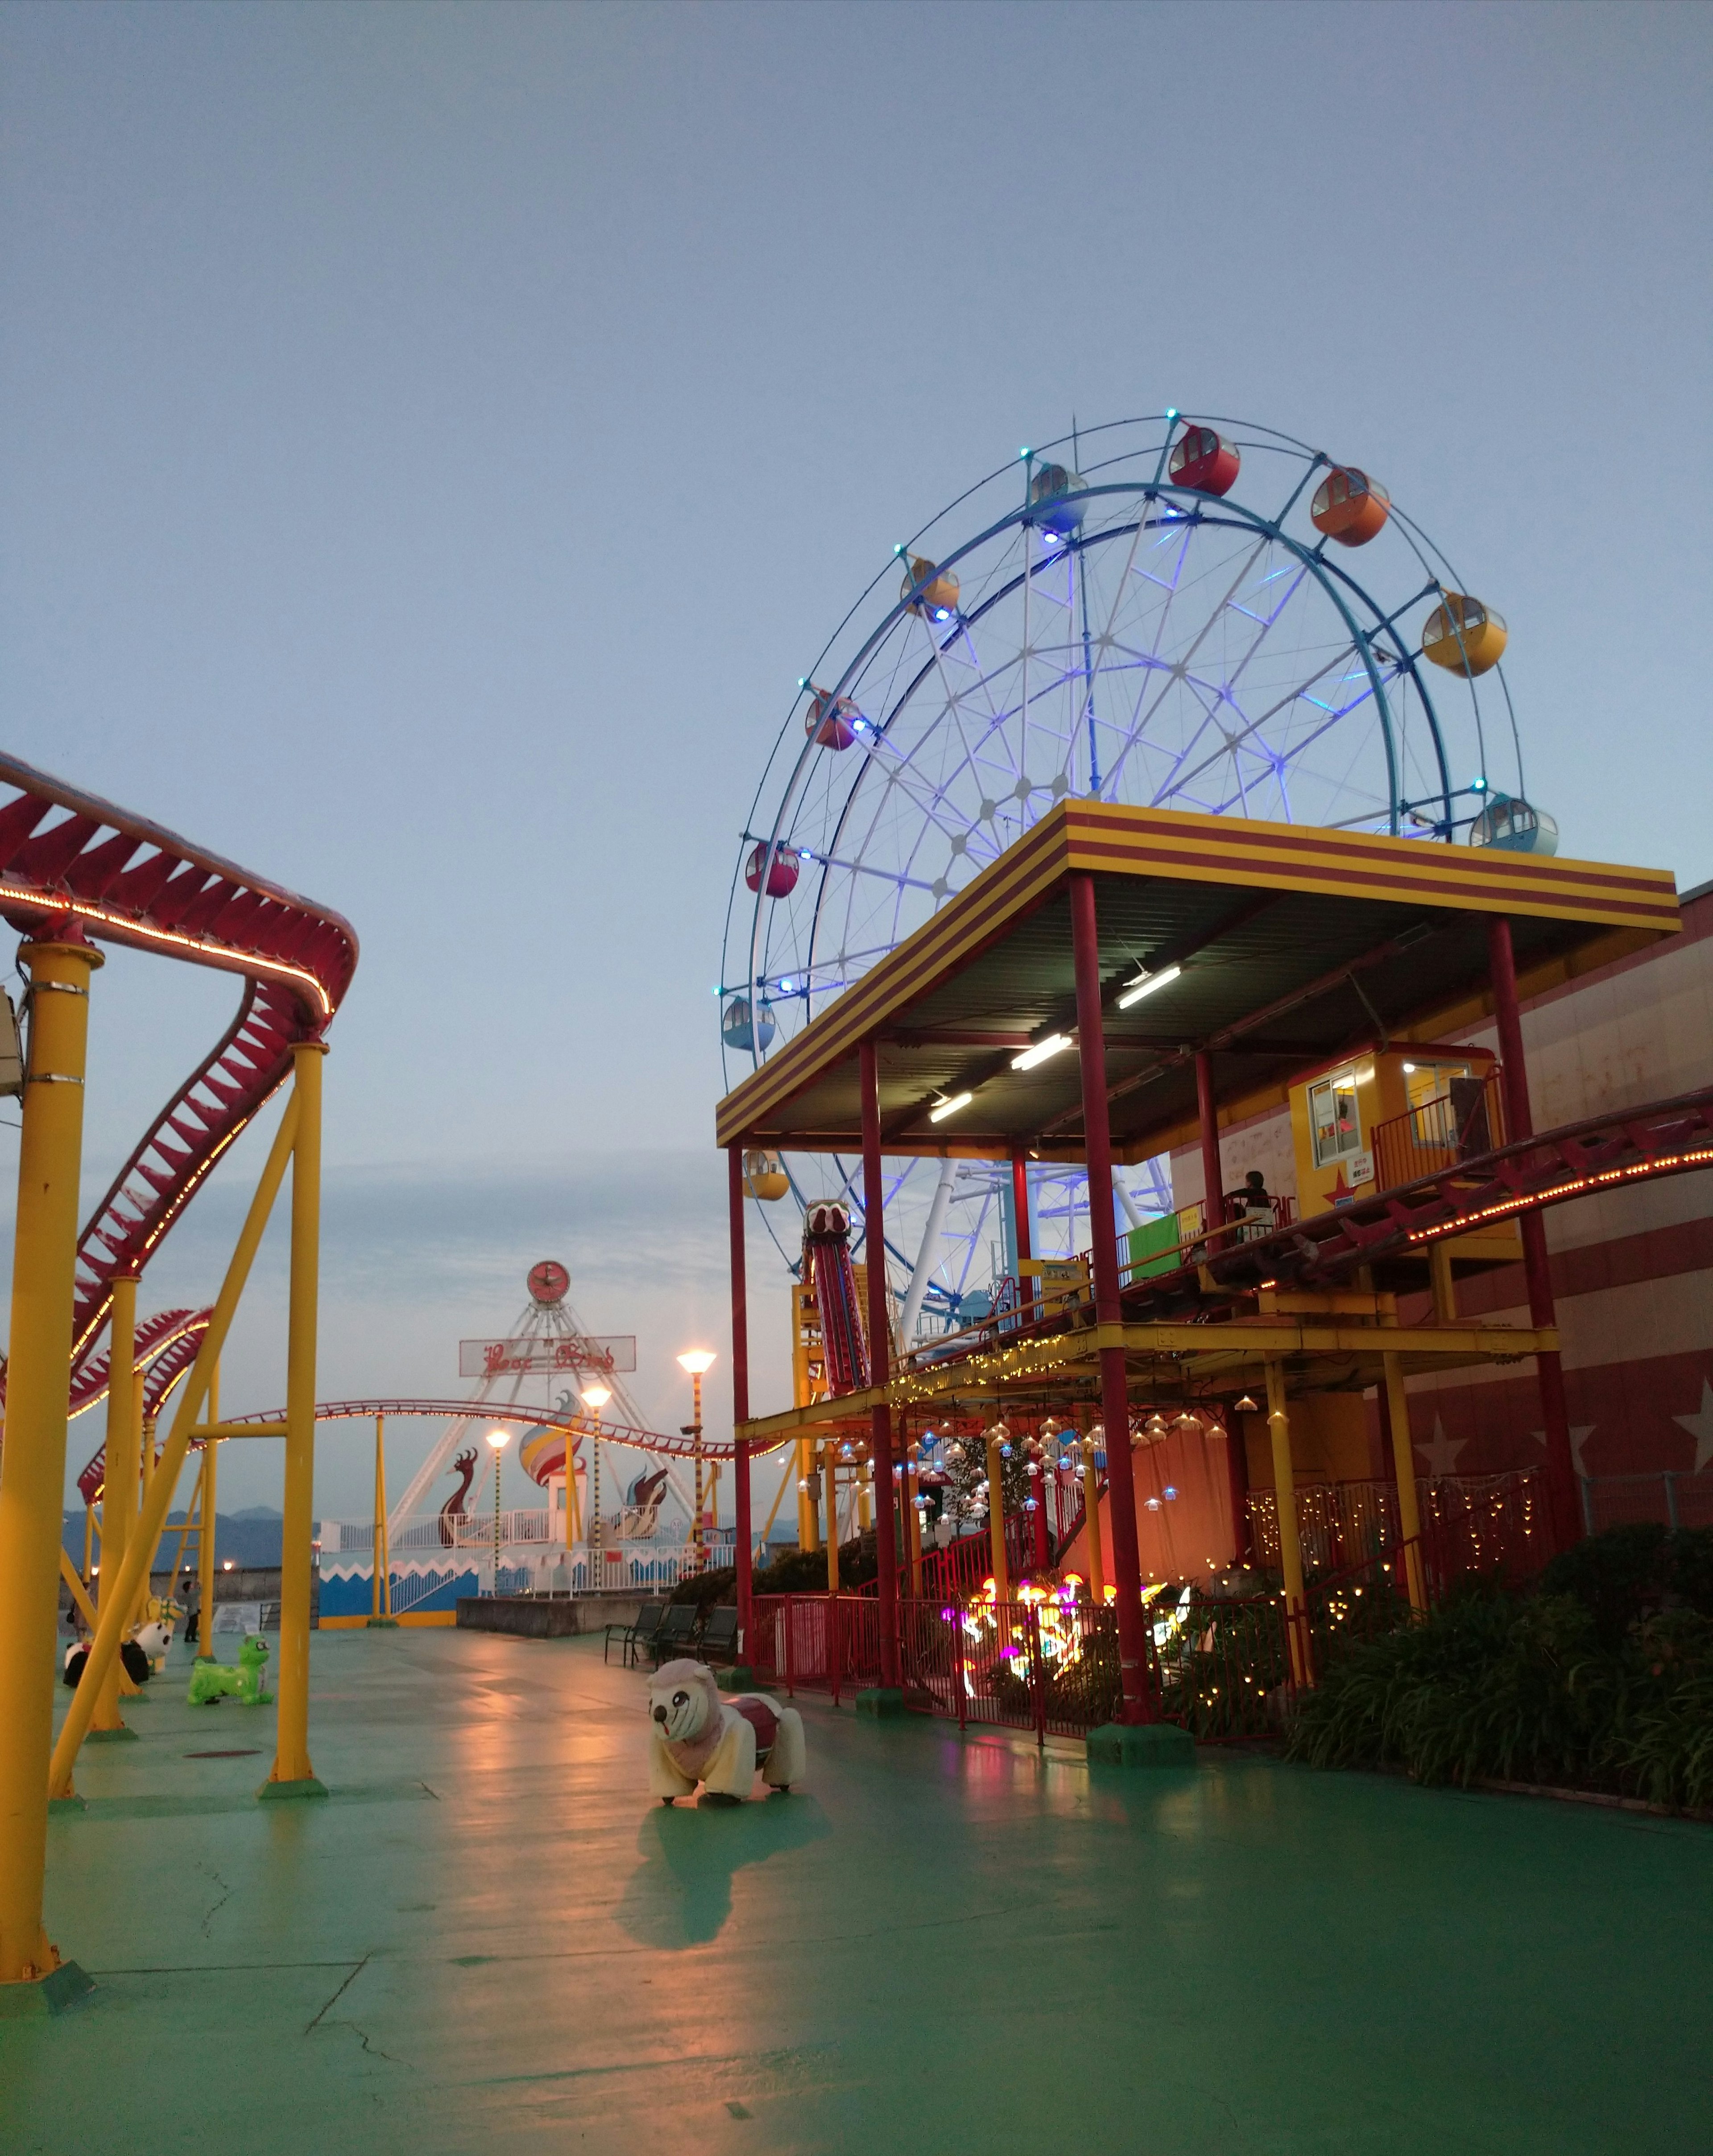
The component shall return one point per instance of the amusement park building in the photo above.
(1632, 1269)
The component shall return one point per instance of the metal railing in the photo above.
(1673, 1499)
(1459, 1125)
(1469, 1523)
(1219, 1667)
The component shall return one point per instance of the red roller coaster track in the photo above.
(1577, 1160)
(610, 1433)
(72, 863)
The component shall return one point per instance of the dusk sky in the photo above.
(436, 439)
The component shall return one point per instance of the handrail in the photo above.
(576, 1425)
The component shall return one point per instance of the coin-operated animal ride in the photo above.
(697, 1737)
(144, 1655)
(210, 1682)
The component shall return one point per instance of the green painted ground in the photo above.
(489, 1940)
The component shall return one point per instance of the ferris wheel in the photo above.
(1175, 612)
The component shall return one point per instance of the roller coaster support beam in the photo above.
(1404, 1455)
(1560, 1464)
(1137, 1705)
(132, 1580)
(207, 1571)
(119, 1491)
(292, 1774)
(1290, 1553)
(879, 1372)
(33, 1465)
(740, 1397)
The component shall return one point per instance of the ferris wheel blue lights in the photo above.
(1178, 638)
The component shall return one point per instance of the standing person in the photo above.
(190, 1594)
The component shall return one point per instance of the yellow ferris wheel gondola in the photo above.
(1464, 636)
(764, 1175)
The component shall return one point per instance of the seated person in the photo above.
(1253, 1206)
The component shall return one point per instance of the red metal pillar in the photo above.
(1028, 1297)
(1114, 1396)
(741, 1393)
(1555, 1411)
(1212, 1176)
(880, 1369)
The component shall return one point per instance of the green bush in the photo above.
(1625, 1575)
(1601, 1680)
(798, 1571)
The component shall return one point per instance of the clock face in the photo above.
(549, 1281)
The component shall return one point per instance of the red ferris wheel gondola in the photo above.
(782, 870)
(1205, 460)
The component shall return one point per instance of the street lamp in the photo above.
(595, 1397)
(698, 1361)
(498, 1439)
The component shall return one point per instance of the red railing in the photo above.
(1219, 1667)
(1456, 1126)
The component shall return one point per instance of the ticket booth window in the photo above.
(1333, 1119)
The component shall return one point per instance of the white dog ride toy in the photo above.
(697, 1737)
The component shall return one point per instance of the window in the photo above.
(1333, 1121)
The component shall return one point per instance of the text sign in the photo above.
(1056, 1272)
(545, 1358)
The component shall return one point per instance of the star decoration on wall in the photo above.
(1440, 1452)
(1580, 1433)
(1701, 1428)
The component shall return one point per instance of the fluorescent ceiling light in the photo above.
(1146, 984)
(1054, 1044)
(945, 1108)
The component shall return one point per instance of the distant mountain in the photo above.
(249, 1537)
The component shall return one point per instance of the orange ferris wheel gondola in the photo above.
(1349, 507)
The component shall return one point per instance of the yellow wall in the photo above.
(1329, 1440)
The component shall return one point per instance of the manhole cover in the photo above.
(249, 1752)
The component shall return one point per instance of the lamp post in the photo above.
(595, 1397)
(698, 1361)
(498, 1439)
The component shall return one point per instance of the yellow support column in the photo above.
(1290, 1553)
(119, 1472)
(33, 1465)
(131, 1582)
(293, 1775)
(380, 1557)
(1440, 1280)
(207, 1571)
(808, 1513)
(1409, 1516)
(996, 1518)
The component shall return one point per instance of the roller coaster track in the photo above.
(1577, 1160)
(72, 864)
(609, 1432)
(166, 1346)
